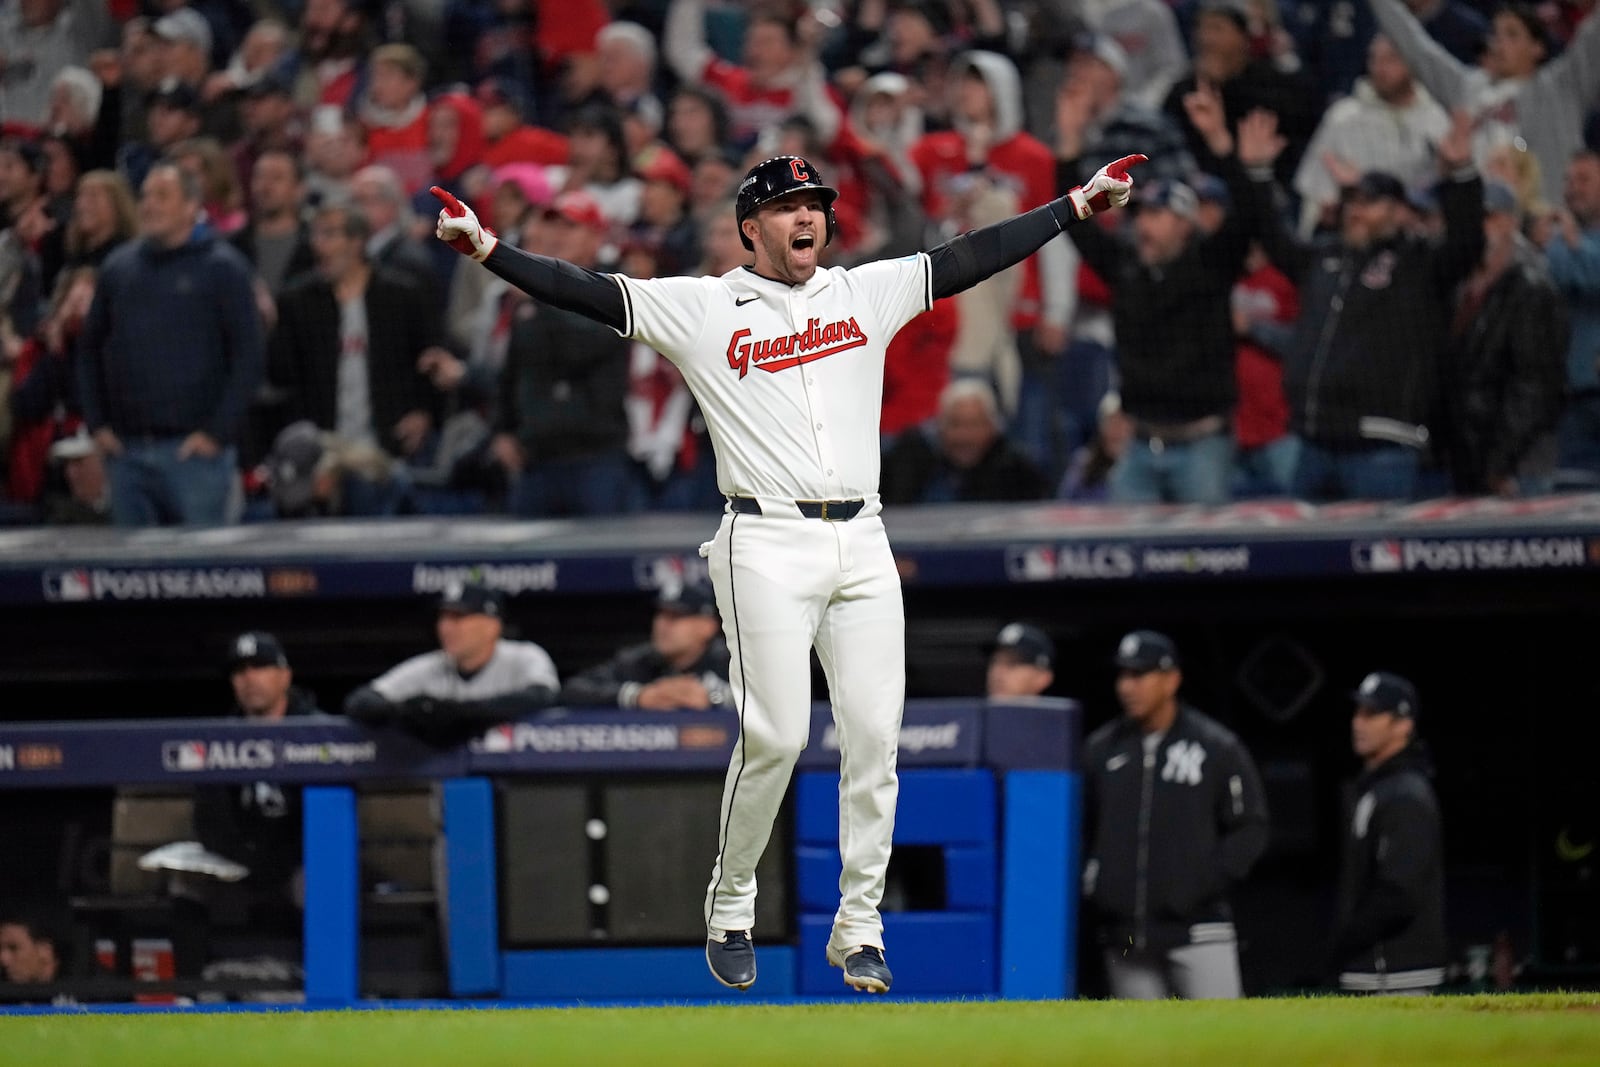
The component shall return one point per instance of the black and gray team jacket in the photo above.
(1391, 890)
(616, 682)
(1168, 832)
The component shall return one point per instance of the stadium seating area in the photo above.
(614, 134)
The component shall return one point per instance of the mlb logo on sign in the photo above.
(68, 585)
(1031, 563)
(1376, 556)
(669, 574)
(498, 739)
(183, 755)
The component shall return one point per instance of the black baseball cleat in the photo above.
(863, 967)
(732, 959)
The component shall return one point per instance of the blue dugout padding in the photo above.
(993, 786)
(470, 895)
(333, 910)
(971, 874)
(638, 974)
(950, 952)
(1039, 906)
(936, 807)
(938, 953)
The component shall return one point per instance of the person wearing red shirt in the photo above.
(507, 139)
(988, 134)
(43, 399)
(1265, 306)
(781, 75)
(455, 137)
(916, 368)
(567, 28)
(395, 114)
(333, 37)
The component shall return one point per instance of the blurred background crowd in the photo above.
(1364, 259)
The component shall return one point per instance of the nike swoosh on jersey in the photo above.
(741, 301)
(1117, 762)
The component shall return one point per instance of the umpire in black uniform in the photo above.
(1390, 937)
(1175, 816)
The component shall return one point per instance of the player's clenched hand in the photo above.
(460, 229)
(674, 692)
(1110, 187)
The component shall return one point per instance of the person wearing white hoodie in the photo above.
(1388, 123)
(988, 141)
(1147, 32)
(885, 112)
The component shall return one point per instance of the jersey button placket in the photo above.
(825, 457)
(800, 312)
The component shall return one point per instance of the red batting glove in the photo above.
(1110, 187)
(459, 228)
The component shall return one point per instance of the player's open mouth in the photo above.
(804, 241)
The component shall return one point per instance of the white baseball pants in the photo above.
(785, 584)
(1204, 971)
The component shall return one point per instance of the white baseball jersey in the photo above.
(515, 666)
(790, 381)
(789, 378)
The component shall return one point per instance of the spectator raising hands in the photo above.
(1519, 90)
(1360, 368)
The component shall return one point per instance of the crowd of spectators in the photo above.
(1364, 260)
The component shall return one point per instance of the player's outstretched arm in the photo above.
(545, 278)
(964, 261)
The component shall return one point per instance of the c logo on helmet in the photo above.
(797, 167)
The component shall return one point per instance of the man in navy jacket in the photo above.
(170, 355)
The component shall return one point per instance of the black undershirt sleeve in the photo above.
(958, 264)
(369, 705)
(962, 262)
(505, 706)
(560, 284)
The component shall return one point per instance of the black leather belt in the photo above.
(1180, 433)
(826, 510)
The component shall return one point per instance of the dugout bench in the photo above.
(991, 789)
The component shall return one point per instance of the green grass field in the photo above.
(1527, 1031)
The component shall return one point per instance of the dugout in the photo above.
(524, 916)
(1490, 607)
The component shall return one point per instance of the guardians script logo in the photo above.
(781, 353)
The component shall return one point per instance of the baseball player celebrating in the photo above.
(786, 360)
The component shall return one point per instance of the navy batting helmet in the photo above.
(780, 176)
